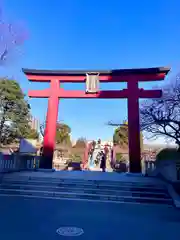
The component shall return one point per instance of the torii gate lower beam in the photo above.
(132, 93)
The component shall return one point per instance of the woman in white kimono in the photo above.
(91, 153)
(96, 156)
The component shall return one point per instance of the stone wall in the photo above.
(168, 169)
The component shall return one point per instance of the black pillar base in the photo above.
(46, 162)
(135, 167)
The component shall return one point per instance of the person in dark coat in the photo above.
(103, 162)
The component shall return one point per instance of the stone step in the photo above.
(94, 197)
(90, 185)
(83, 176)
(124, 192)
(153, 184)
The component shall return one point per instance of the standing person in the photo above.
(41, 151)
(91, 154)
(103, 161)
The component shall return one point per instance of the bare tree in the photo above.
(12, 36)
(161, 117)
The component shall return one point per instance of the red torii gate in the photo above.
(132, 93)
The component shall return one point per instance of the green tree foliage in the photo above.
(32, 134)
(119, 157)
(75, 158)
(63, 134)
(14, 112)
(120, 136)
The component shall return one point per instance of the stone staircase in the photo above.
(79, 189)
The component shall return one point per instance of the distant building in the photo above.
(34, 123)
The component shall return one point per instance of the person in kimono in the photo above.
(103, 161)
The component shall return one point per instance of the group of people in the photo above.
(97, 155)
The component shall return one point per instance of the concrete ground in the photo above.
(28, 218)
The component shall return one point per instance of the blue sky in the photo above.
(83, 34)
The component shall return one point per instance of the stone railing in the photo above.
(17, 162)
(148, 166)
(167, 169)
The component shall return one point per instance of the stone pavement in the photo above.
(26, 218)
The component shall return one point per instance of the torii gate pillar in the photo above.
(50, 129)
(134, 127)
